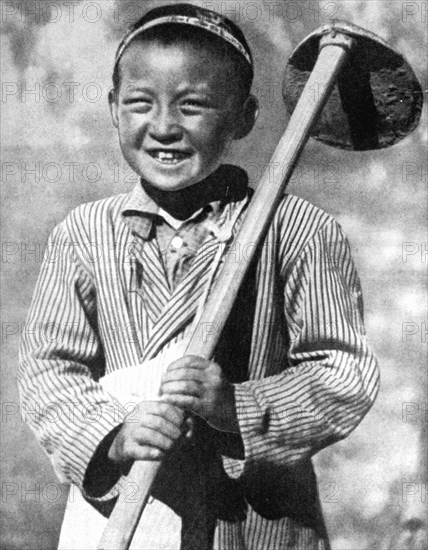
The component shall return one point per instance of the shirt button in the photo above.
(177, 242)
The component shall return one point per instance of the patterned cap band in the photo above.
(204, 19)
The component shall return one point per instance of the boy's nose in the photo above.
(164, 126)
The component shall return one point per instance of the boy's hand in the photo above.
(148, 432)
(198, 385)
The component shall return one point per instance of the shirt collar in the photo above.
(140, 211)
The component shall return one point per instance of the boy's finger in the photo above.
(184, 373)
(183, 387)
(189, 361)
(163, 410)
(146, 436)
(145, 452)
(162, 426)
(185, 402)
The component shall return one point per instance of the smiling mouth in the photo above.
(169, 156)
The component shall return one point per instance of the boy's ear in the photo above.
(113, 107)
(248, 117)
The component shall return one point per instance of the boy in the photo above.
(292, 372)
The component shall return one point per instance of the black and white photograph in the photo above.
(213, 275)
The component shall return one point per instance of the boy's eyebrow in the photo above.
(187, 88)
(133, 87)
(130, 90)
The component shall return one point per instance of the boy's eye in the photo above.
(195, 104)
(133, 99)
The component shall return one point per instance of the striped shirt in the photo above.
(103, 302)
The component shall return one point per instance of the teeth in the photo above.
(162, 155)
(170, 157)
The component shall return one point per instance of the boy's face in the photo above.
(177, 112)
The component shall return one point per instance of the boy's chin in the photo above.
(168, 187)
(171, 185)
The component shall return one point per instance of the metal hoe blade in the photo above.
(376, 101)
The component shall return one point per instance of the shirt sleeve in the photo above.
(61, 359)
(331, 379)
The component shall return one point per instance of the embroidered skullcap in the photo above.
(188, 14)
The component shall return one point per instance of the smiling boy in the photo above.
(292, 372)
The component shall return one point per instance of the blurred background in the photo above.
(59, 149)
